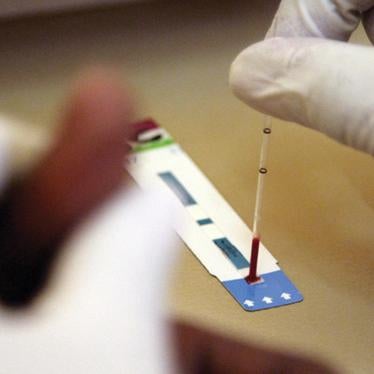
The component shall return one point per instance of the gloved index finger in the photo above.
(331, 19)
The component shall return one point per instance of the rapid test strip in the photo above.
(212, 230)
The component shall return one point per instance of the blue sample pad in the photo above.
(274, 290)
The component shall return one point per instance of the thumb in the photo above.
(322, 84)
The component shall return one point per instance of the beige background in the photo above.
(319, 198)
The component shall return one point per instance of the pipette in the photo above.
(262, 171)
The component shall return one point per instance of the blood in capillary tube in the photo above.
(252, 276)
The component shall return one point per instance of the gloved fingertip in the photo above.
(245, 72)
(255, 70)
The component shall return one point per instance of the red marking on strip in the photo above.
(145, 125)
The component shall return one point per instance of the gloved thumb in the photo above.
(322, 84)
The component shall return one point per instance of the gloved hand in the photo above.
(305, 72)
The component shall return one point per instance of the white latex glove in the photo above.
(105, 311)
(298, 74)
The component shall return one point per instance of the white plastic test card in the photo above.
(216, 235)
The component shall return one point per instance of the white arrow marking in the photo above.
(267, 300)
(249, 303)
(286, 296)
